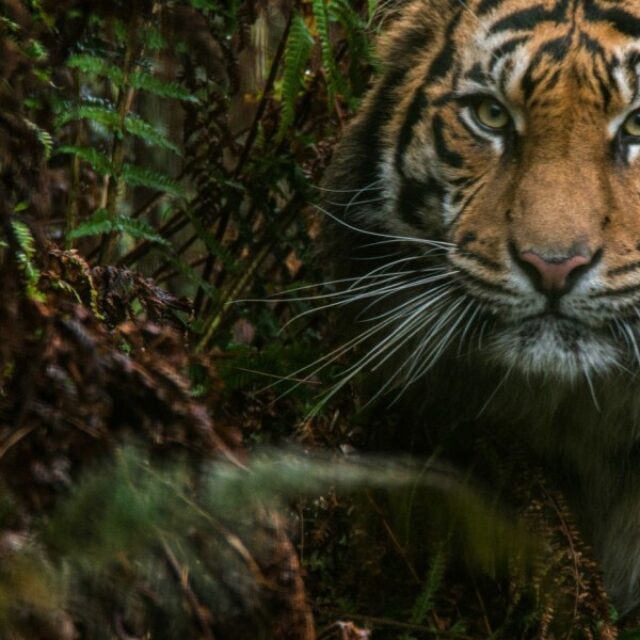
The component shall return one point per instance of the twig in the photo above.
(483, 609)
(223, 223)
(176, 223)
(386, 622)
(231, 292)
(161, 276)
(71, 214)
(394, 540)
(201, 614)
(13, 439)
(347, 631)
(574, 556)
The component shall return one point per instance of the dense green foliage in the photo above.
(159, 166)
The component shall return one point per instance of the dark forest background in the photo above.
(169, 468)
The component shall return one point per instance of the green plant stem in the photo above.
(179, 251)
(244, 155)
(172, 226)
(71, 213)
(235, 288)
(198, 611)
(126, 95)
(164, 277)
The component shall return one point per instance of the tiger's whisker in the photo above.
(370, 291)
(377, 234)
(327, 190)
(414, 360)
(329, 358)
(406, 303)
(403, 337)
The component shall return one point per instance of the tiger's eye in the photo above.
(631, 125)
(490, 113)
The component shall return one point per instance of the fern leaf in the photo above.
(102, 112)
(343, 11)
(98, 223)
(43, 137)
(9, 25)
(148, 82)
(359, 42)
(321, 15)
(143, 177)
(296, 56)
(94, 65)
(24, 257)
(153, 38)
(149, 134)
(96, 111)
(97, 66)
(99, 162)
(36, 50)
(101, 222)
(138, 229)
(425, 602)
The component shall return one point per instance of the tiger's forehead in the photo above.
(512, 15)
(527, 52)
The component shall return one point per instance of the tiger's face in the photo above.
(503, 146)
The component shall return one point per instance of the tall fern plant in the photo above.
(312, 29)
(112, 75)
(210, 227)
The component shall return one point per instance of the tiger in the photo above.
(483, 212)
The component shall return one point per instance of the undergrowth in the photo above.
(159, 165)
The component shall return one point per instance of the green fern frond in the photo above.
(24, 257)
(343, 11)
(153, 38)
(43, 137)
(138, 229)
(144, 177)
(97, 224)
(101, 222)
(149, 134)
(36, 50)
(360, 49)
(139, 79)
(99, 162)
(120, 32)
(98, 111)
(9, 25)
(94, 65)
(322, 17)
(426, 601)
(296, 56)
(148, 82)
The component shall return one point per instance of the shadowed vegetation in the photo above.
(159, 166)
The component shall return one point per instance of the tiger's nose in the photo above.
(557, 274)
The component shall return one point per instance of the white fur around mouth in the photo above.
(555, 348)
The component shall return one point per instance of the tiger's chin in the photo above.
(558, 350)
